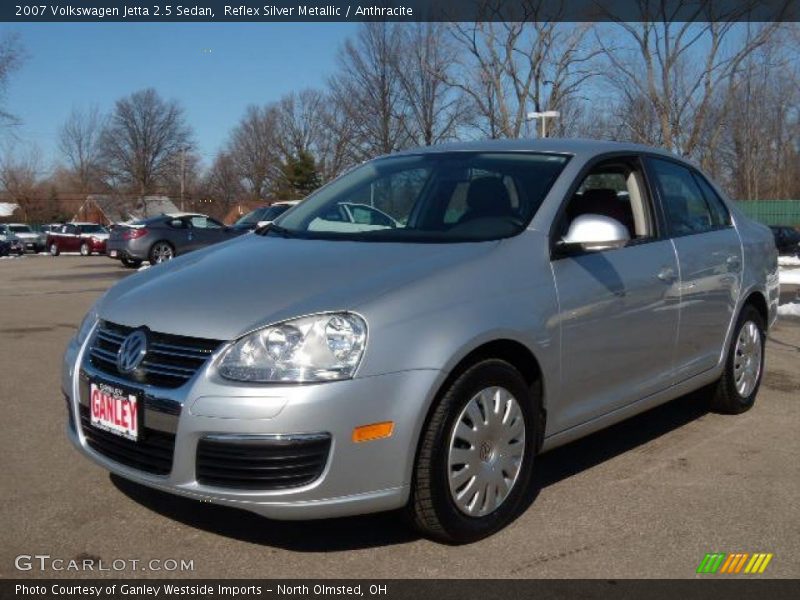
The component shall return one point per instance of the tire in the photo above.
(161, 251)
(86, 249)
(130, 263)
(736, 390)
(437, 504)
(54, 251)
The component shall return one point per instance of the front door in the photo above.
(618, 308)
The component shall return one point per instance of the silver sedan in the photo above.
(526, 294)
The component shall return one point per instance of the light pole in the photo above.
(544, 115)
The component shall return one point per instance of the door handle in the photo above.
(667, 275)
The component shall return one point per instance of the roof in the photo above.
(7, 208)
(118, 209)
(572, 146)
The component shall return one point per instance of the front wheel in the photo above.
(736, 390)
(476, 454)
(161, 252)
(85, 249)
(54, 251)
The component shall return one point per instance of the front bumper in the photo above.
(358, 477)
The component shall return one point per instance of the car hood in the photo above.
(97, 236)
(226, 290)
(25, 235)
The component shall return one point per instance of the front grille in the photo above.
(170, 362)
(262, 464)
(152, 452)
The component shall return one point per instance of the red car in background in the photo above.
(86, 238)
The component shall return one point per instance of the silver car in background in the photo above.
(528, 293)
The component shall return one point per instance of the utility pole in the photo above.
(183, 174)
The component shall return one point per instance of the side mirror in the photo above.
(261, 224)
(592, 232)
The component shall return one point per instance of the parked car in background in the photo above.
(86, 238)
(32, 240)
(162, 238)
(787, 239)
(264, 215)
(515, 302)
(11, 246)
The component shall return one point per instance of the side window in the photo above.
(684, 204)
(204, 223)
(720, 216)
(613, 188)
(71, 229)
(177, 224)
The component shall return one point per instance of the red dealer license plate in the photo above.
(114, 410)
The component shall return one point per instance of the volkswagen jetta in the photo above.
(525, 295)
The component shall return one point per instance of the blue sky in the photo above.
(215, 70)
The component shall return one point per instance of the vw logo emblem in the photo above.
(132, 351)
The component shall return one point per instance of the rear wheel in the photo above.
(161, 252)
(476, 455)
(131, 263)
(54, 251)
(85, 249)
(736, 390)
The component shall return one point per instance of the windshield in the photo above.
(441, 197)
(92, 229)
(251, 217)
(20, 229)
(270, 213)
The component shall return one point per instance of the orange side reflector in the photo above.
(374, 431)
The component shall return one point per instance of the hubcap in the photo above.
(747, 361)
(162, 252)
(487, 447)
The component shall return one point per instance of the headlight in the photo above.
(86, 325)
(325, 347)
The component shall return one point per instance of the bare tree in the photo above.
(368, 90)
(141, 141)
(254, 150)
(435, 110)
(19, 179)
(763, 98)
(11, 57)
(79, 144)
(670, 70)
(222, 183)
(511, 67)
(300, 121)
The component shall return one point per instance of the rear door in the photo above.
(618, 308)
(710, 260)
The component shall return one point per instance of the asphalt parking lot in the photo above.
(647, 498)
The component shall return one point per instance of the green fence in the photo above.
(772, 212)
